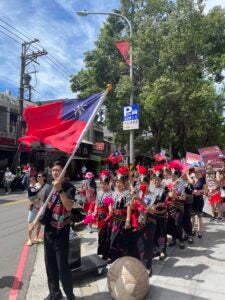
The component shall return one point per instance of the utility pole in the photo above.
(26, 59)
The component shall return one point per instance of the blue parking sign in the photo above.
(131, 117)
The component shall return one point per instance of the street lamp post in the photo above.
(86, 13)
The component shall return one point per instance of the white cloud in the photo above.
(60, 31)
(212, 3)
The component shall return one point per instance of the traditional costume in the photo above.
(175, 209)
(121, 217)
(141, 242)
(103, 212)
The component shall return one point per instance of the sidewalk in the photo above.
(196, 273)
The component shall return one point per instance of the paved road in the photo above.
(13, 235)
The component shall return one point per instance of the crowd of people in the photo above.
(136, 214)
(19, 180)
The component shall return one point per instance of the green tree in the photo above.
(178, 57)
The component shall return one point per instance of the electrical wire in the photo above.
(15, 29)
(62, 74)
(12, 32)
(65, 73)
(7, 79)
(29, 38)
(10, 37)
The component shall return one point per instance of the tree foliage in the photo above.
(179, 56)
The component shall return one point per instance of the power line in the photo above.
(7, 79)
(59, 64)
(12, 32)
(10, 37)
(62, 74)
(29, 38)
(15, 29)
(55, 63)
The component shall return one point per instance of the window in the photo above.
(98, 136)
(3, 118)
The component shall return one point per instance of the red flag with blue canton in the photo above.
(115, 157)
(59, 124)
(160, 156)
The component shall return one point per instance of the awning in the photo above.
(87, 142)
(81, 158)
(95, 157)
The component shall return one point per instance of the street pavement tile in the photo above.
(209, 295)
(158, 292)
(210, 278)
(179, 275)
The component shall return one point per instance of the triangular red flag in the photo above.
(124, 48)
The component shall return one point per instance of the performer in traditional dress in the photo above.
(141, 244)
(175, 212)
(103, 213)
(88, 189)
(121, 217)
(158, 192)
(166, 176)
(214, 195)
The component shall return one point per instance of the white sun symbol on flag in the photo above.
(79, 110)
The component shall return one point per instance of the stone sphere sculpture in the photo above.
(128, 279)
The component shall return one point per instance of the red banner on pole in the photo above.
(124, 48)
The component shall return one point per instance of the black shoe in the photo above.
(71, 298)
(149, 272)
(199, 234)
(219, 220)
(182, 246)
(172, 243)
(185, 237)
(190, 240)
(212, 219)
(193, 233)
(162, 255)
(54, 296)
(155, 254)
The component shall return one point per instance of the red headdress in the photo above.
(142, 172)
(122, 173)
(176, 164)
(104, 176)
(158, 168)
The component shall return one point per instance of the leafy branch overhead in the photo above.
(178, 60)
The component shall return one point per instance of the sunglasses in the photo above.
(39, 176)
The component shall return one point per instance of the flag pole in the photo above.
(42, 209)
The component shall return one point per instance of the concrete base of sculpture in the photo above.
(128, 279)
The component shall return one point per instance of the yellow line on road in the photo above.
(16, 202)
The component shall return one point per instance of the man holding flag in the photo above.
(61, 124)
(56, 236)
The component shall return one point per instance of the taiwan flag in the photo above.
(115, 157)
(160, 156)
(61, 123)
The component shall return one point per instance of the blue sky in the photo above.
(61, 32)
